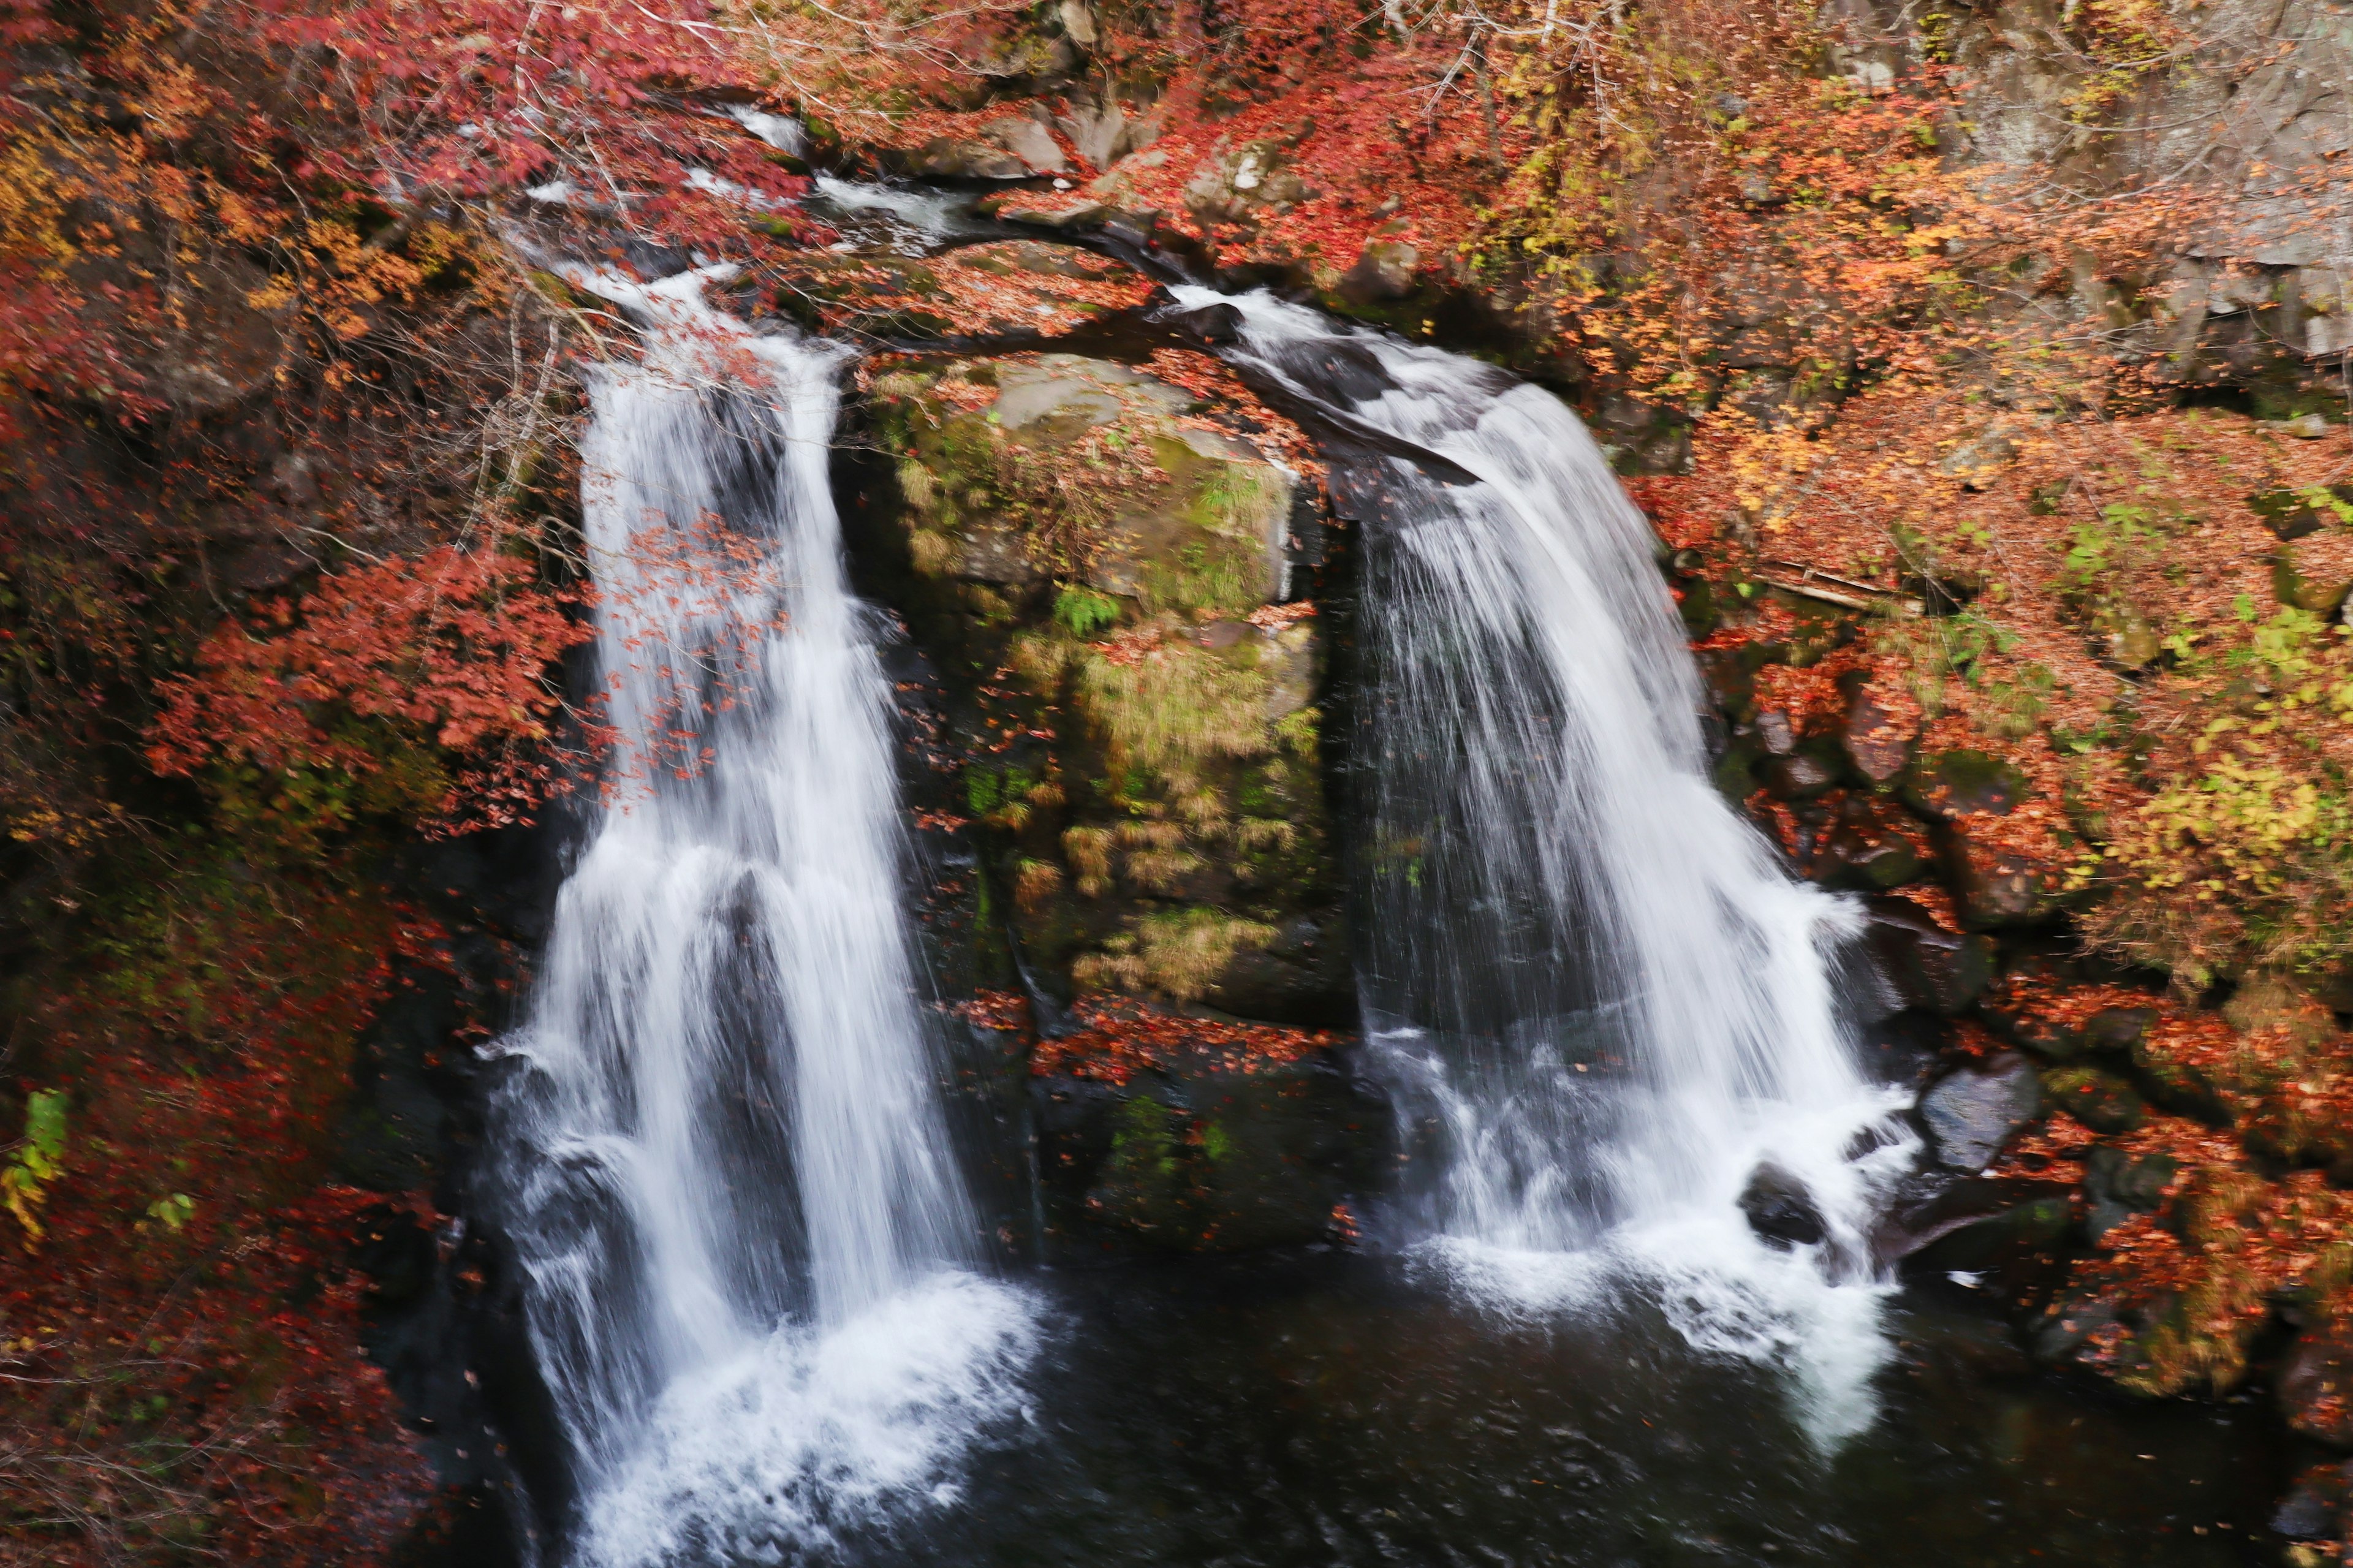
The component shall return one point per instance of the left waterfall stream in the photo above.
(753, 1277)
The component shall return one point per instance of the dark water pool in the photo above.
(1333, 1411)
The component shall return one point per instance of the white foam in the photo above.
(772, 1456)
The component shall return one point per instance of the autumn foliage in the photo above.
(382, 669)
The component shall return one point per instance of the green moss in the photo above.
(1178, 954)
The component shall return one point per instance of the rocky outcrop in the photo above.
(1203, 1138)
(1974, 1111)
(1109, 561)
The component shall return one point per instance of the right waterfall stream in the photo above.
(1581, 971)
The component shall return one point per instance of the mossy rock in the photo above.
(1075, 535)
(1213, 1159)
(2100, 1100)
(1964, 783)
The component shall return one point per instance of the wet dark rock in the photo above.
(1780, 1210)
(1964, 783)
(1926, 965)
(2070, 1323)
(1993, 887)
(1732, 681)
(1219, 323)
(2314, 1385)
(2313, 1507)
(2100, 1100)
(2117, 1185)
(1904, 1047)
(1981, 1224)
(1973, 1112)
(1802, 775)
(2115, 1031)
(1206, 1158)
(1873, 846)
(2019, 1015)
(2184, 1083)
(1701, 610)
(1775, 732)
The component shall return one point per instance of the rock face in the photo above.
(1926, 965)
(1108, 573)
(1971, 1113)
(1205, 1155)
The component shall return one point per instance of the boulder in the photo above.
(1213, 324)
(2019, 1007)
(1993, 886)
(1924, 964)
(1030, 141)
(2115, 1031)
(1234, 185)
(2314, 1385)
(1873, 845)
(963, 158)
(2117, 1185)
(2007, 1227)
(1384, 271)
(1962, 782)
(2187, 1081)
(2100, 1100)
(1100, 133)
(1876, 739)
(1145, 766)
(1780, 1210)
(1802, 775)
(1973, 1113)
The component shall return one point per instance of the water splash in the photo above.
(723, 1160)
(1584, 975)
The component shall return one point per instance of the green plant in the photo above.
(1082, 611)
(37, 1161)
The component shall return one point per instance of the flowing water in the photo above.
(724, 1163)
(1580, 968)
(753, 1281)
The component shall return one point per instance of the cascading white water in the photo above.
(1582, 966)
(724, 1158)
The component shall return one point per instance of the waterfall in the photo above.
(1582, 971)
(722, 1154)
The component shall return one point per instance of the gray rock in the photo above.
(1992, 887)
(955, 158)
(1384, 271)
(2118, 1186)
(2314, 1387)
(1973, 1113)
(1100, 133)
(1030, 141)
(1926, 965)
